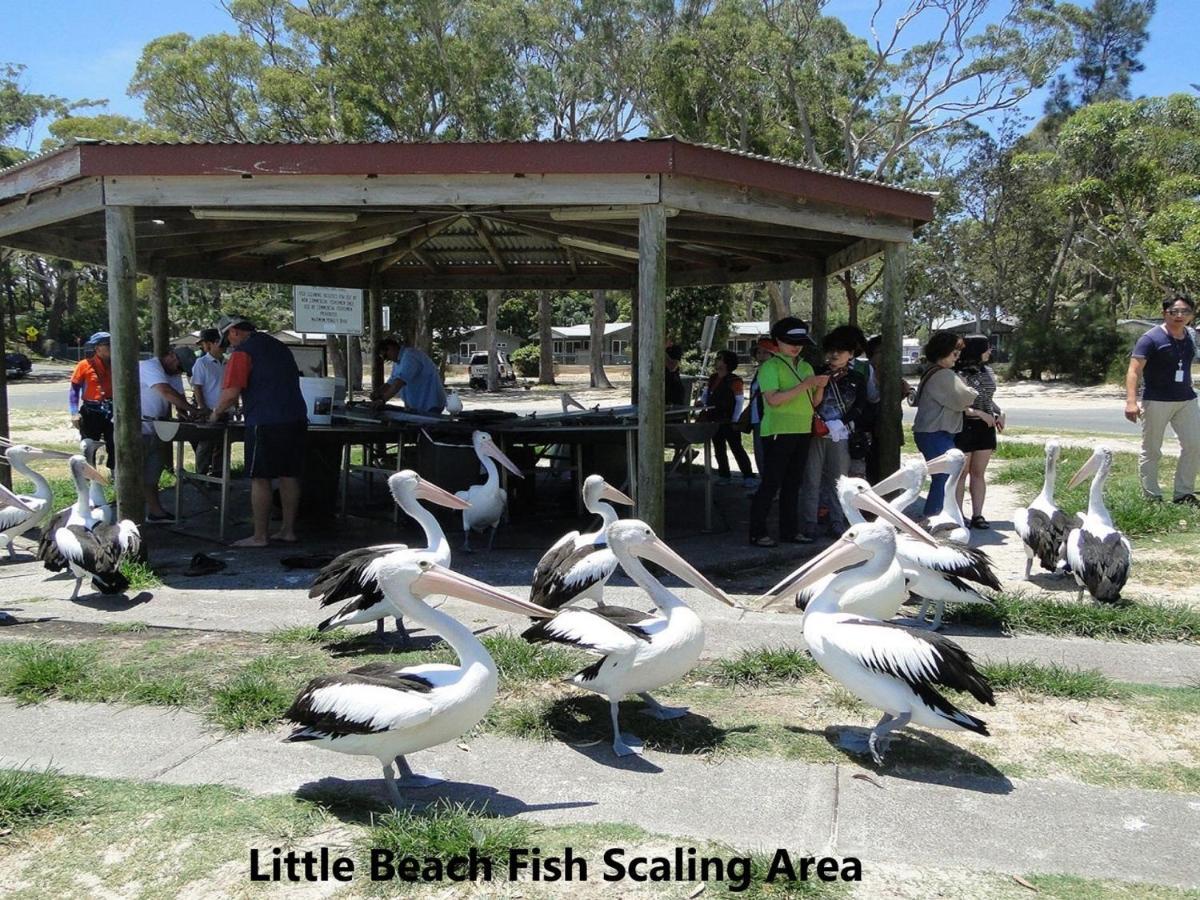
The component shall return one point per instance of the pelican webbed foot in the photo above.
(623, 744)
(656, 710)
(389, 780)
(880, 736)
(410, 779)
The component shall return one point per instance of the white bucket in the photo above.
(318, 399)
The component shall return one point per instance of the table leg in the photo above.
(178, 477)
(708, 504)
(225, 477)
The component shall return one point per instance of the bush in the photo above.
(1080, 346)
(527, 360)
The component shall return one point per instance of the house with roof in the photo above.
(999, 331)
(573, 343)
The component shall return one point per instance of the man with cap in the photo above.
(414, 377)
(262, 373)
(790, 392)
(90, 396)
(208, 375)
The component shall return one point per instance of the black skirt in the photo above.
(975, 435)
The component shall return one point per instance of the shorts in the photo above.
(275, 451)
(975, 435)
(156, 456)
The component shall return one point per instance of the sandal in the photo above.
(979, 522)
(763, 541)
(800, 538)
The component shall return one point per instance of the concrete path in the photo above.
(988, 823)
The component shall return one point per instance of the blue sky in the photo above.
(82, 48)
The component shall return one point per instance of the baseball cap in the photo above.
(790, 330)
(100, 337)
(227, 322)
(209, 334)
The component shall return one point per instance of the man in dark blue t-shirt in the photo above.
(1163, 358)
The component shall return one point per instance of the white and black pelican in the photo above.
(103, 512)
(488, 500)
(891, 667)
(354, 576)
(34, 510)
(942, 571)
(579, 565)
(908, 480)
(390, 711)
(882, 597)
(568, 401)
(1098, 555)
(639, 652)
(89, 547)
(1043, 527)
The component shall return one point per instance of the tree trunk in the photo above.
(493, 312)
(596, 357)
(546, 339)
(333, 350)
(355, 381)
(852, 295)
(780, 293)
(422, 336)
(1046, 319)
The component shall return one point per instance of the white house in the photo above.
(573, 343)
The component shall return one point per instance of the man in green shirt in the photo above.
(790, 392)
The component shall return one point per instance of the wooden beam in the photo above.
(56, 205)
(485, 238)
(360, 192)
(160, 322)
(548, 233)
(651, 340)
(415, 239)
(859, 251)
(375, 322)
(397, 225)
(742, 274)
(820, 308)
(127, 399)
(425, 259)
(755, 205)
(890, 431)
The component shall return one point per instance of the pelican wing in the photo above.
(351, 575)
(950, 558)
(920, 659)
(610, 629)
(1101, 564)
(576, 570)
(358, 703)
(97, 556)
(13, 516)
(47, 550)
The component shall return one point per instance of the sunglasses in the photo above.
(1179, 312)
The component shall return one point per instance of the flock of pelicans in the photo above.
(849, 592)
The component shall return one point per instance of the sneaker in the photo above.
(800, 538)
(763, 541)
(1188, 500)
(979, 522)
(155, 517)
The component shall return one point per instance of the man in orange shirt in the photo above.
(90, 397)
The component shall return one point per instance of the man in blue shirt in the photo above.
(1163, 358)
(414, 377)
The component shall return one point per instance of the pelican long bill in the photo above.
(869, 501)
(841, 554)
(1087, 470)
(439, 580)
(657, 551)
(427, 490)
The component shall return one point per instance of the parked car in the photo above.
(17, 365)
(477, 369)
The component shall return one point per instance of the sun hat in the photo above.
(790, 330)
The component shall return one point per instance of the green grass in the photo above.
(260, 692)
(141, 576)
(126, 628)
(1025, 468)
(1050, 680)
(764, 665)
(38, 671)
(1146, 622)
(308, 634)
(520, 662)
(447, 829)
(33, 798)
(1068, 887)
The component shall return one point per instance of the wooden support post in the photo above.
(651, 341)
(891, 426)
(160, 321)
(5, 471)
(122, 323)
(493, 369)
(545, 339)
(820, 308)
(375, 323)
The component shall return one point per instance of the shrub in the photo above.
(527, 360)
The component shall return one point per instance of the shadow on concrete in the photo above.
(916, 755)
(990, 537)
(119, 603)
(358, 802)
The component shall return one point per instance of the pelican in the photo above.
(390, 711)
(355, 574)
(454, 404)
(888, 666)
(32, 511)
(941, 570)
(1043, 527)
(579, 565)
(1098, 555)
(103, 512)
(488, 500)
(568, 401)
(948, 522)
(880, 598)
(908, 480)
(638, 651)
(89, 547)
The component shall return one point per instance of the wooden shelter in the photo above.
(640, 215)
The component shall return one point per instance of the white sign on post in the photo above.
(328, 310)
(387, 319)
